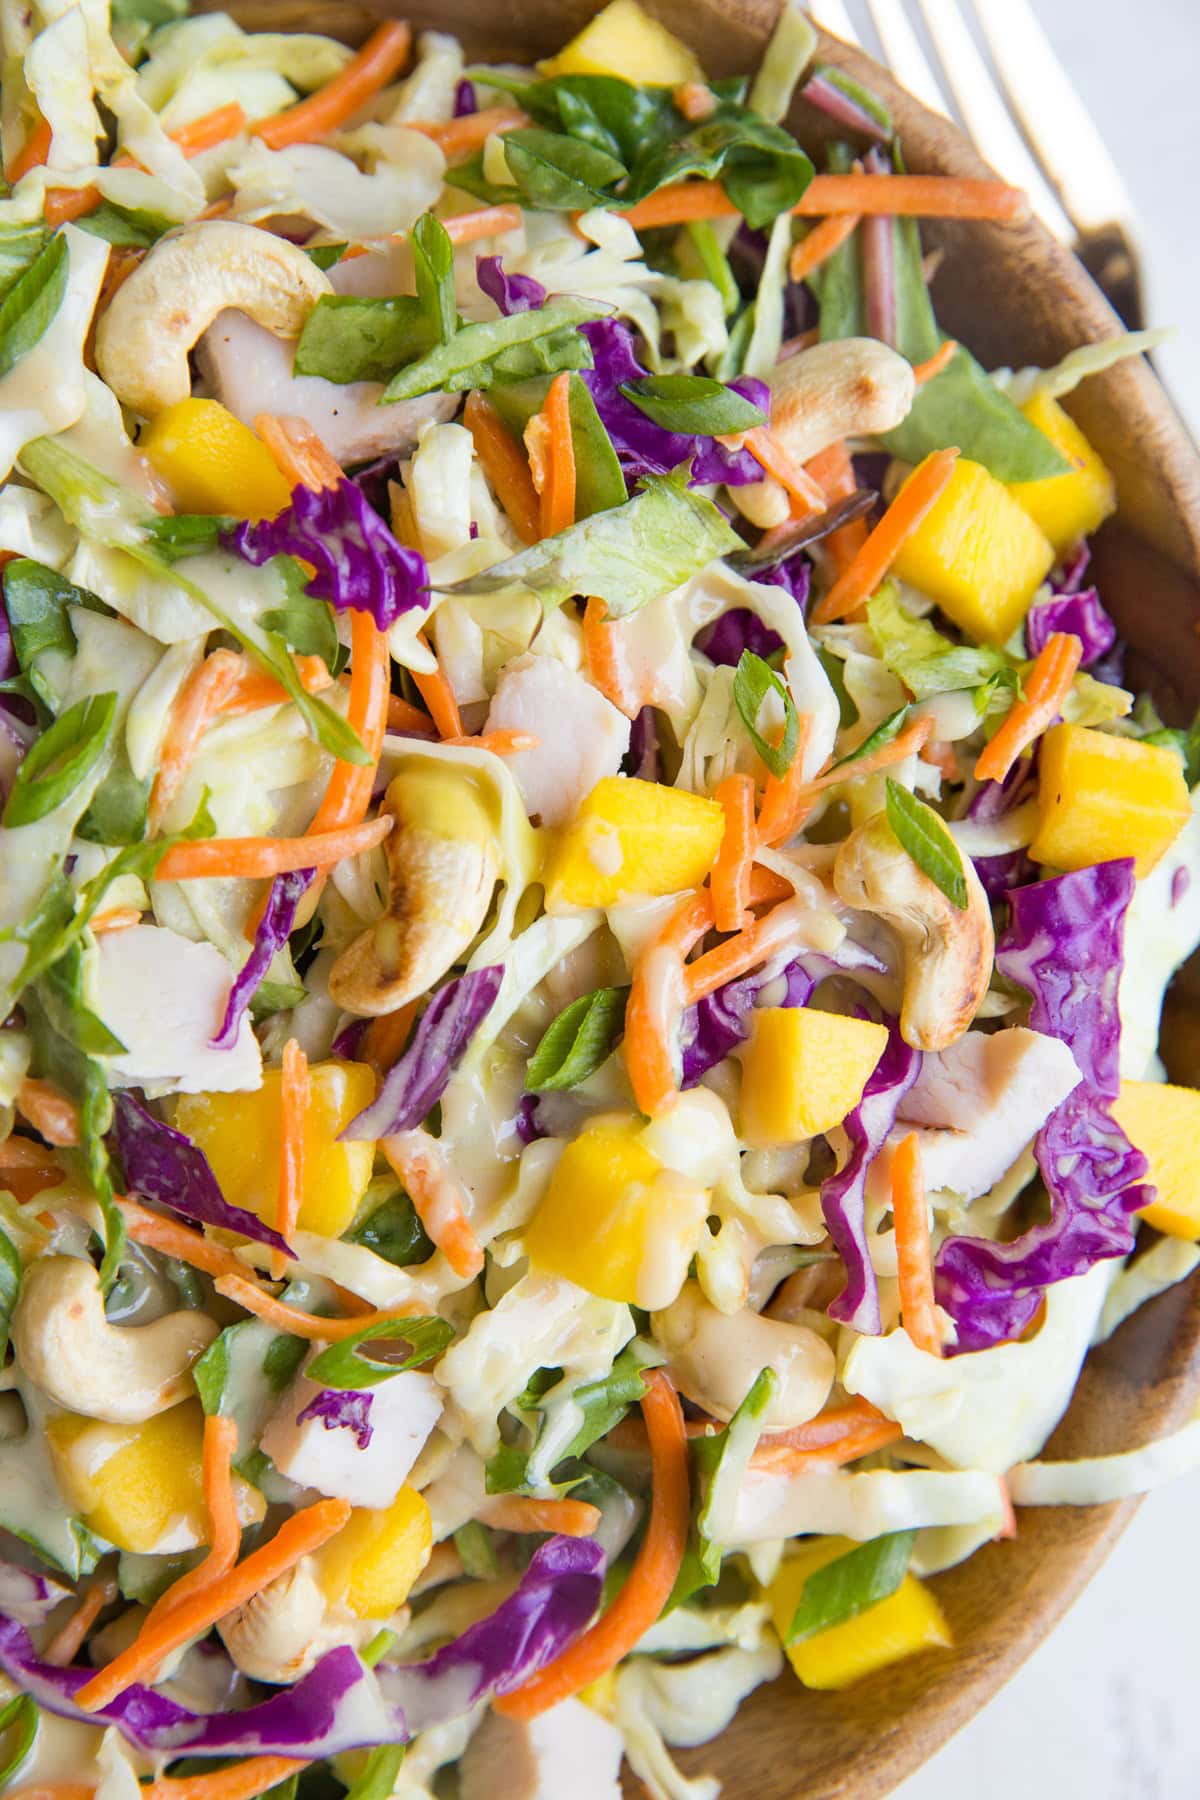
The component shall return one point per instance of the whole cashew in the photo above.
(442, 867)
(123, 1374)
(854, 387)
(143, 339)
(948, 950)
(714, 1357)
(280, 1632)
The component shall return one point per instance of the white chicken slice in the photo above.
(367, 1467)
(582, 736)
(568, 1750)
(165, 997)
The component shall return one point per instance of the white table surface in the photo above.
(1106, 1709)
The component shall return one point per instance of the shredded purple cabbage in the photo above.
(358, 562)
(1064, 945)
(512, 293)
(1082, 615)
(1073, 570)
(737, 630)
(418, 1080)
(27, 1596)
(348, 1041)
(164, 1166)
(464, 99)
(843, 1196)
(526, 1121)
(877, 236)
(995, 800)
(829, 98)
(274, 929)
(344, 1409)
(643, 756)
(716, 1025)
(794, 573)
(340, 1704)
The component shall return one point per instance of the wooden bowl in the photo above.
(1015, 297)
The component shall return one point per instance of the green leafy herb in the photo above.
(18, 1728)
(143, 1576)
(695, 404)
(918, 830)
(627, 556)
(379, 1774)
(61, 991)
(753, 680)
(282, 1358)
(394, 1232)
(60, 759)
(123, 226)
(305, 623)
(599, 483)
(852, 1583)
(476, 1551)
(835, 669)
(348, 337)
(271, 997)
(325, 255)
(117, 812)
(760, 166)
(885, 733)
(602, 1403)
(178, 535)
(723, 1460)
(455, 365)
(342, 1365)
(925, 661)
(433, 262)
(19, 245)
(28, 309)
(578, 1041)
(838, 282)
(36, 599)
(10, 1287)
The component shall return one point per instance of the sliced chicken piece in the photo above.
(164, 998)
(249, 370)
(568, 1751)
(581, 735)
(361, 1454)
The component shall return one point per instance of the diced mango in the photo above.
(239, 1134)
(803, 1071)
(212, 463)
(1101, 797)
(633, 838)
(977, 553)
(1068, 506)
(1164, 1123)
(141, 1486)
(907, 1621)
(623, 40)
(373, 1561)
(616, 1222)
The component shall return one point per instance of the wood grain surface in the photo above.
(1015, 297)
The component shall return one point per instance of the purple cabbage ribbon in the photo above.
(27, 1596)
(358, 562)
(274, 929)
(344, 1409)
(1064, 945)
(1082, 615)
(465, 100)
(512, 293)
(829, 98)
(741, 628)
(995, 800)
(877, 235)
(418, 1080)
(164, 1166)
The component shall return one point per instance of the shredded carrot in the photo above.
(783, 1459)
(298, 1536)
(653, 1575)
(833, 472)
(503, 463)
(824, 238)
(1008, 1528)
(254, 1299)
(384, 1039)
(695, 100)
(244, 1781)
(202, 694)
(53, 1790)
(67, 1642)
(405, 717)
(258, 858)
(49, 1111)
(914, 1265)
(438, 1198)
(607, 665)
(556, 509)
(1046, 687)
(24, 1153)
(438, 695)
(923, 372)
(829, 1428)
(254, 688)
(943, 757)
(905, 196)
(783, 796)
(514, 1512)
(655, 1001)
(348, 796)
(293, 1119)
(160, 1233)
(500, 743)
(117, 918)
(488, 221)
(730, 878)
(737, 955)
(63, 204)
(31, 155)
(916, 498)
(805, 495)
(780, 817)
(299, 452)
(224, 1530)
(457, 138)
(382, 56)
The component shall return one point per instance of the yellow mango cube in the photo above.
(803, 1071)
(141, 1486)
(1070, 506)
(1164, 1123)
(632, 838)
(372, 1563)
(212, 463)
(239, 1134)
(623, 40)
(615, 1221)
(977, 553)
(907, 1621)
(1102, 797)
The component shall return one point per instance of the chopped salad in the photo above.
(584, 911)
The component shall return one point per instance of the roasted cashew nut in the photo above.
(855, 387)
(947, 951)
(442, 868)
(123, 1374)
(715, 1357)
(284, 1629)
(191, 275)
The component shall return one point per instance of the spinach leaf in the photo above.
(599, 483)
(695, 404)
(60, 759)
(124, 227)
(433, 261)
(348, 337)
(19, 245)
(456, 365)
(394, 1232)
(305, 623)
(36, 599)
(117, 812)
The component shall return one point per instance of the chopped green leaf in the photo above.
(476, 1551)
(724, 1459)
(350, 337)
(283, 1357)
(433, 262)
(753, 680)
(849, 1585)
(325, 255)
(885, 733)
(925, 661)
(578, 1041)
(28, 309)
(36, 600)
(699, 254)
(19, 246)
(117, 812)
(379, 1773)
(305, 623)
(18, 1729)
(10, 1287)
(918, 830)
(124, 227)
(453, 365)
(599, 483)
(555, 173)
(393, 1230)
(60, 759)
(343, 1366)
(695, 404)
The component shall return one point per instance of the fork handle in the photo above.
(1112, 262)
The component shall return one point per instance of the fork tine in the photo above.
(904, 55)
(833, 16)
(985, 115)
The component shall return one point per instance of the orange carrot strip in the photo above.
(258, 858)
(254, 688)
(351, 785)
(695, 100)
(904, 196)
(781, 1459)
(253, 1299)
(504, 464)
(655, 1000)
(780, 812)
(488, 221)
(438, 695)
(382, 56)
(914, 1265)
(24, 1153)
(298, 1536)
(807, 497)
(300, 455)
(66, 1643)
(514, 1512)
(224, 1528)
(556, 510)
(1046, 687)
(829, 1428)
(53, 1790)
(737, 955)
(730, 878)
(781, 816)
(245, 1781)
(403, 716)
(923, 372)
(438, 1198)
(916, 498)
(180, 1241)
(604, 653)
(49, 1111)
(202, 695)
(834, 474)
(31, 155)
(457, 138)
(500, 743)
(649, 1584)
(824, 238)
(293, 1117)
(384, 1039)
(117, 918)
